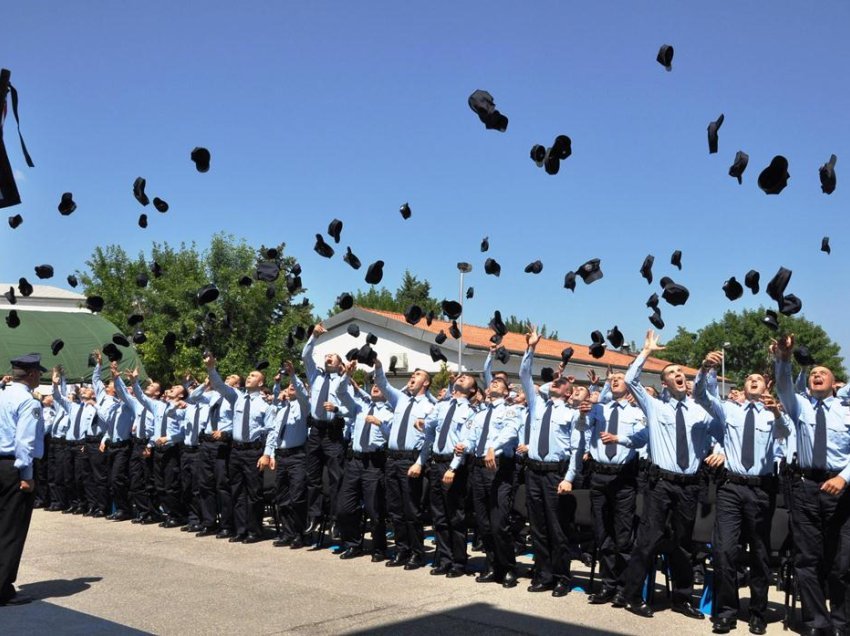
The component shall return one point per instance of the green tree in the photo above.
(748, 339)
(515, 325)
(245, 325)
(412, 291)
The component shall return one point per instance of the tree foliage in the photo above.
(748, 339)
(515, 325)
(412, 291)
(241, 328)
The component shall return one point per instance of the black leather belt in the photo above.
(818, 475)
(123, 443)
(760, 481)
(93, 439)
(399, 454)
(248, 445)
(674, 478)
(288, 452)
(547, 467)
(336, 424)
(442, 459)
(189, 449)
(601, 468)
(225, 437)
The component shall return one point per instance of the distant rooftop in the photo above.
(44, 298)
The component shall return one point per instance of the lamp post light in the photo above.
(463, 268)
(723, 371)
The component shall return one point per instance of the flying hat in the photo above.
(665, 56)
(713, 127)
(139, 191)
(375, 273)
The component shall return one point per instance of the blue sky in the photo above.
(328, 109)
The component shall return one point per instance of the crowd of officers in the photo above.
(193, 456)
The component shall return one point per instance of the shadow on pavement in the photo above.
(55, 588)
(44, 618)
(482, 618)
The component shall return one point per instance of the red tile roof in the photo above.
(479, 338)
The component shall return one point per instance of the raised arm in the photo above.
(307, 354)
(645, 401)
(784, 384)
(227, 392)
(96, 381)
(488, 366)
(702, 394)
(392, 394)
(526, 369)
(59, 395)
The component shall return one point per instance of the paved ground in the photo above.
(98, 577)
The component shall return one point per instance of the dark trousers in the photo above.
(68, 474)
(663, 498)
(216, 498)
(325, 449)
(98, 488)
(118, 470)
(55, 468)
(363, 487)
(821, 527)
(166, 479)
(82, 474)
(142, 492)
(40, 473)
(744, 514)
(15, 515)
(290, 486)
(246, 483)
(448, 516)
(404, 507)
(550, 515)
(492, 496)
(189, 490)
(612, 504)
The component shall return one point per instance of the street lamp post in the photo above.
(723, 372)
(463, 268)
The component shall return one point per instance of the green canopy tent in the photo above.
(81, 332)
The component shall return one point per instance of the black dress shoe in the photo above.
(640, 609)
(561, 589)
(137, 519)
(338, 550)
(541, 587)
(224, 534)
(148, 520)
(455, 573)
(313, 526)
(603, 597)
(69, 511)
(206, 532)
(440, 570)
(236, 538)
(351, 553)
(686, 609)
(487, 577)
(111, 516)
(757, 625)
(54, 508)
(377, 557)
(510, 579)
(397, 561)
(171, 522)
(17, 599)
(297, 543)
(186, 528)
(619, 600)
(723, 625)
(281, 542)
(252, 538)
(120, 516)
(414, 563)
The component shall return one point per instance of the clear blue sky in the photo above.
(316, 110)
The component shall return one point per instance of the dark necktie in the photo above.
(215, 413)
(402, 429)
(613, 425)
(527, 428)
(246, 419)
(748, 444)
(819, 449)
(681, 438)
(143, 425)
(111, 426)
(285, 417)
(367, 429)
(323, 397)
(77, 421)
(447, 424)
(485, 431)
(163, 425)
(195, 424)
(543, 439)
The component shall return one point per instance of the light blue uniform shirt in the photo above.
(661, 425)
(317, 378)
(502, 435)
(768, 429)
(288, 423)
(399, 401)
(803, 413)
(191, 421)
(257, 421)
(630, 420)
(76, 432)
(21, 427)
(143, 418)
(433, 428)
(358, 404)
(218, 413)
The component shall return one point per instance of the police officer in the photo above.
(249, 435)
(678, 431)
(192, 417)
(285, 455)
(115, 443)
(820, 499)
(56, 456)
(367, 426)
(404, 484)
(21, 440)
(444, 428)
(552, 442)
(325, 444)
(746, 493)
(489, 443)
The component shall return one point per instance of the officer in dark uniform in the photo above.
(21, 442)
